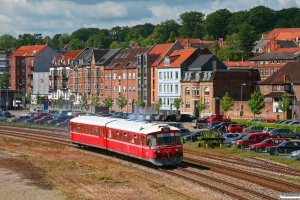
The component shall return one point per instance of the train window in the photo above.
(71, 126)
(165, 139)
(151, 140)
(100, 131)
(93, 130)
(109, 134)
(136, 139)
(144, 140)
(177, 138)
(78, 128)
(96, 130)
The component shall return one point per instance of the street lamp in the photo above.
(7, 97)
(294, 109)
(242, 99)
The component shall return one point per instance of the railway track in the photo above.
(233, 190)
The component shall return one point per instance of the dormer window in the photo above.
(167, 62)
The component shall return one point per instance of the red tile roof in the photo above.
(283, 32)
(177, 57)
(237, 63)
(161, 50)
(30, 50)
(296, 49)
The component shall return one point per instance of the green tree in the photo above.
(28, 98)
(7, 41)
(284, 103)
(215, 23)
(139, 102)
(177, 103)
(84, 34)
(214, 47)
(158, 105)
(229, 52)
(144, 29)
(72, 100)
(100, 39)
(121, 101)
(39, 98)
(55, 41)
(61, 101)
(119, 33)
(83, 101)
(191, 24)
(236, 20)
(65, 38)
(200, 106)
(247, 36)
(226, 103)
(108, 102)
(256, 103)
(96, 100)
(4, 80)
(76, 44)
(163, 31)
(114, 45)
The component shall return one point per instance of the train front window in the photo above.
(165, 139)
(151, 140)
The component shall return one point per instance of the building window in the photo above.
(171, 88)
(115, 76)
(206, 104)
(171, 75)
(272, 61)
(133, 89)
(261, 72)
(160, 75)
(267, 62)
(278, 87)
(176, 89)
(266, 88)
(160, 89)
(261, 62)
(167, 62)
(124, 88)
(124, 75)
(206, 91)
(114, 88)
(176, 75)
(129, 75)
(187, 91)
(272, 71)
(165, 77)
(283, 61)
(187, 103)
(267, 72)
(23, 71)
(278, 61)
(195, 91)
(133, 75)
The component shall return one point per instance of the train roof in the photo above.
(122, 124)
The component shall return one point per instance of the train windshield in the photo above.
(164, 139)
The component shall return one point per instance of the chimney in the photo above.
(228, 59)
(243, 59)
(136, 45)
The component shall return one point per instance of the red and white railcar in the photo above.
(159, 144)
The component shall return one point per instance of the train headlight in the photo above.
(157, 151)
(177, 149)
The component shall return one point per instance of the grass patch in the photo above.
(291, 178)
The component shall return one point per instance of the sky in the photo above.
(50, 17)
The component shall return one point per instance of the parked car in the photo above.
(58, 119)
(175, 124)
(268, 129)
(41, 114)
(267, 120)
(43, 119)
(65, 123)
(283, 132)
(131, 116)
(3, 118)
(141, 117)
(230, 141)
(199, 123)
(260, 147)
(257, 119)
(31, 119)
(150, 117)
(295, 155)
(284, 147)
(184, 131)
(229, 136)
(170, 118)
(192, 136)
(159, 117)
(253, 129)
(105, 115)
(185, 118)
(20, 119)
(294, 123)
(31, 114)
(221, 125)
(6, 113)
(251, 138)
(217, 117)
(235, 128)
(211, 124)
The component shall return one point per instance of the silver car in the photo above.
(3, 118)
(295, 155)
(283, 132)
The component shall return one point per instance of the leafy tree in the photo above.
(114, 45)
(191, 24)
(65, 38)
(229, 52)
(121, 101)
(144, 30)
(139, 102)
(119, 33)
(163, 31)
(72, 100)
(100, 39)
(83, 101)
(233, 40)
(247, 36)
(28, 98)
(214, 47)
(133, 36)
(200, 106)
(287, 18)
(61, 101)
(84, 34)
(256, 103)
(262, 18)
(158, 105)
(55, 41)
(76, 44)
(226, 103)
(215, 23)
(4, 80)
(28, 39)
(284, 103)
(177, 103)
(108, 102)
(47, 39)
(236, 20)
(39, 98)
(7, 41)
(147, 41)
(96, 100)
